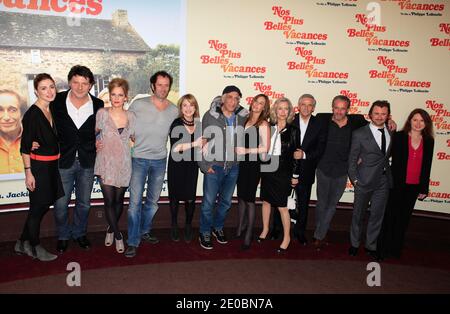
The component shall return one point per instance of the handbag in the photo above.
(291, 202)
(292, 206)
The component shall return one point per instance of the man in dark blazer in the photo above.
(312, 141)
(74, 114)
(370, 173)
(333, 165)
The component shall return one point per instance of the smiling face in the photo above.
(258, 105)
(161, 87)
(379, 116)
(230, 101)
(79, 86)
(306, 107)
(46, 90)
(10, 115)
(118, 97)
(417, 123)
(282, 111)
(340, 109)
(187, 109)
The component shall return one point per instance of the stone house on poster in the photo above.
(32, 43)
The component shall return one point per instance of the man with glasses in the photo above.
(221, 126)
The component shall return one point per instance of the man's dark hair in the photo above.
(154, 78)
(381, 104)
(83, 71)
(341, 98)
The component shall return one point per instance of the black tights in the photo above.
(246, 217)
(113, 198)
(32, 226)
(189, 207)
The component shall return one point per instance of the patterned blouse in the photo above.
(113, 161)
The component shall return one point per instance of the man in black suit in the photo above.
(74, 114)
(333, 165)
(312, 140)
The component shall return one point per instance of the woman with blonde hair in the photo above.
(182, 170)
(115, 127)
(281, 175)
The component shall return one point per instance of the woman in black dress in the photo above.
(412, 154)
(257, 142)
(42, 177)
(182, 169)
(281, 175)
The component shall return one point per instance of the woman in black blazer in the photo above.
(412, 154)
(281, 174)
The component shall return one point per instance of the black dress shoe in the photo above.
(374, 255)
(274, 235)
(84, 243)
(62, 245)
(318, 244)
(353, 251)
(302, 240)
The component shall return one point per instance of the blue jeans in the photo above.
(219, 185)
(82, 179)
(140, 217)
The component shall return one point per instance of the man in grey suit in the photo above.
(370, 174)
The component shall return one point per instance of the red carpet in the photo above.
(23, 267)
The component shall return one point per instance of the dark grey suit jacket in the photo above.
(373, 162)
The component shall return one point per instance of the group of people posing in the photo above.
(69, 137)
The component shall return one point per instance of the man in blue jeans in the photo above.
(223, 128)
(74, 113)
(154, 115)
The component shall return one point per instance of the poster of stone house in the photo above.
(36, 43)
(33, 43)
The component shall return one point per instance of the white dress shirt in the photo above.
(303, 126)
(80, 115)
(377, 135)
(275, 143)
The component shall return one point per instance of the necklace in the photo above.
(188, 123)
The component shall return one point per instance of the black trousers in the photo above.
(32, 226)
(396, 220)
(303, 196)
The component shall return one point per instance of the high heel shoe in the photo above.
(280, 250)
(109, 238)
(120, 248)
(260, 239)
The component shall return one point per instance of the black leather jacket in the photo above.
(290, 141)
